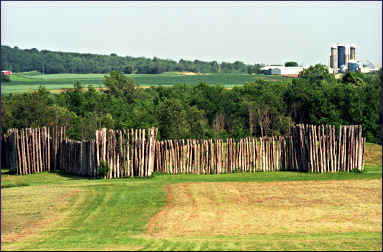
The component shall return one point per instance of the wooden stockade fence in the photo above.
(318, 149)
(310, 148)
(136, 152)
(216, 156)
(30, 150)
(127, 153)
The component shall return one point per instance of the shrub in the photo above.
(104, 168)
(358, 171)
(5, 78)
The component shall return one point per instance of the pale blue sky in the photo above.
(252, 32)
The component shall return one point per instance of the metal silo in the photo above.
(353, 66)
(341, 56)
(352, 52)
(334, 57)
(347, 58)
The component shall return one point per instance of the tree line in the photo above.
(51, 62)
(260, 108)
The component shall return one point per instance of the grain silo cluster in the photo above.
(343, 58)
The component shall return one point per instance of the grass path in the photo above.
(92, 214)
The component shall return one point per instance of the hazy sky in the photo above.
(252, 32)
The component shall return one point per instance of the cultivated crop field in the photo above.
(239, 211)
(24, 82)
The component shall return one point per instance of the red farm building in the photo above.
(6, 72)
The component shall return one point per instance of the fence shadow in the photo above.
(62, 173)
(7, 172)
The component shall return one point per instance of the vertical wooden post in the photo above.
(360, 149)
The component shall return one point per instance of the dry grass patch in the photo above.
(125, 248)
(27, 210)
(305, 207)
(190, 73)
(61, 90)
(373, 154)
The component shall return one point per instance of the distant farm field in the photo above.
(24, 82)
(239, 211)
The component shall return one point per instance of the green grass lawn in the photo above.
(96, 214)
(24, 82)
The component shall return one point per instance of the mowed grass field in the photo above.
(25, 82)
(240, 211)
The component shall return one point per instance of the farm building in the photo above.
(282, 70)
(273, 71)
(6, 72)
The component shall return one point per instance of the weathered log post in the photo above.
(360, 149)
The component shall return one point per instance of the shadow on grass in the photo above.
(7, 172)
(9, 185)
(69, 176)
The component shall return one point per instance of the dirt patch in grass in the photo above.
(67, 89)
(215, 209)
(27, 210)
(164, 212)
(56, 91)
(124, 248)
(190, 73)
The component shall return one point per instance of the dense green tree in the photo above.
(291, 64)
(172, 119)
(317, 73)
(258, 108)
(19, 60)
(5, 78)
(30, 110)
(254, 69)
(121, 86)
(209, 99)
(354, 79)
(297, 99)
(75, 98)
(265, 107)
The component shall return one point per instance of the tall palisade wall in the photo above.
(125, 152)
(137, 152)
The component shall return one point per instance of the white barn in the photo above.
(282, 70)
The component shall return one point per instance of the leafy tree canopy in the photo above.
(354, 79)
(291, 64)
(121, 86)
(204, 111)
(5, 78)
(317, 73)
(18, 60)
